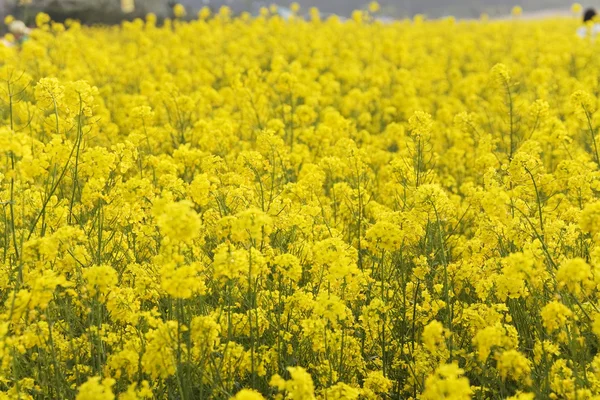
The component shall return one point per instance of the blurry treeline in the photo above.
(113, 11)
(406, 8)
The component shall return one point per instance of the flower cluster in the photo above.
(258, 207)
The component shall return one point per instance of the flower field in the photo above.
(248, 207)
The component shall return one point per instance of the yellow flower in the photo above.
(514, 365)
(433, 336)
(492, 338)
(49, 93)
(95, 389)
(420, 124)
(576, 8)
(100, 279)
(230, 263)
(377, 382)
(159, 360)
(288, 266)
(562, 381)
(584, 104)
(252, 224)
(205, 333)
(502, 74)
(342, 391)
(555, 316)
(374, 7)
(133, 393)
(300, 386)
(522, 396)
(590, 218)
(204, 13)
(447, 382)
(596, 325)
(574, 274)
(358, 16)
(123, 305)
(386, 236)
(42, 19)
(177, 221)
(246, 394)
(183, 281)
(517, 11)
(179, 10)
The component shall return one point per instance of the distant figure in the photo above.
(128, 6)
(590, 27)
(19, 31)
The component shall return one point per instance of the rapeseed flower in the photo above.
(257, 207)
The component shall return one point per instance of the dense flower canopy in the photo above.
(240, 207)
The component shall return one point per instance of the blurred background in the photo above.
(113, 11)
